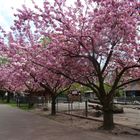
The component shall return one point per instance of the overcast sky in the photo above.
(8, 7)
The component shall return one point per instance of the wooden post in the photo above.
(57, 104)
(86, 108)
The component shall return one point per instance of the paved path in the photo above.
(16, 124)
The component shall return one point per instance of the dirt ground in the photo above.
(87, 124)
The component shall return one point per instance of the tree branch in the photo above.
(109, 56)
(119, 76)
(128, 82)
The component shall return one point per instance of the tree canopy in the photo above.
(92, 42)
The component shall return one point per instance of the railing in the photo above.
(127, 100)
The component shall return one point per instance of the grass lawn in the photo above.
(13, 104)
(22, 106)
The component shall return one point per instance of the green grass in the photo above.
(25, 107)
(22, 106)
(13, 104)
(1, 102)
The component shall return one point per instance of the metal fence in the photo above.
(128, 100)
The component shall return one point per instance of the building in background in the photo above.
(133, 89)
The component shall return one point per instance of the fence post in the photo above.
(57, 104)
(86, 108)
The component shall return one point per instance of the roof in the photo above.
(135, 86)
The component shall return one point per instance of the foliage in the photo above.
(78, 87)
(3, 60)
(93, 42)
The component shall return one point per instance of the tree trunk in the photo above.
(2, 97)
(30, 101)
(53, 107)
(8, 98)
(108, 122)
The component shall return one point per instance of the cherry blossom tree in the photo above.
(29, 59)
(93, 42)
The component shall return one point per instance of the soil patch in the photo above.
(86, 124)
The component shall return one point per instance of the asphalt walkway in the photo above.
(16, 124)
